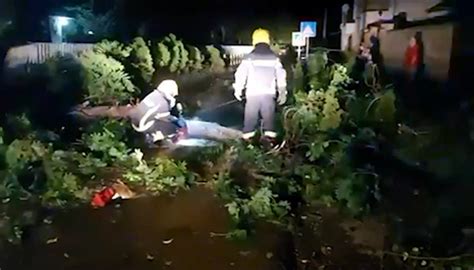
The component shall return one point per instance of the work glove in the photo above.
(238, 95)
(179, 107)
(281, 97)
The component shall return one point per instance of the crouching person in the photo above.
(158, 115)
(261, 79)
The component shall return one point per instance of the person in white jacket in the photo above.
(153, 115)
(261, 80)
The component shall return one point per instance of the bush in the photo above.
(195, 58)
(162, 55)
(175, 51)
(106, 80)
(319, 75)
(113, 49)
(215, 61)
(141, 60)
(184, 56)
(298, 78)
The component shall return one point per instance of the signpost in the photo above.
(298, 40)
(309, 30)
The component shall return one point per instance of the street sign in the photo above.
(297, 39)
(308, 29)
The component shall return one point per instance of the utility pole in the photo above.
(325, 23)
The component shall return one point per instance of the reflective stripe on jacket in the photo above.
(154, 105)
(260, 73)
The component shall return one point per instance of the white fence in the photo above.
(235, 53)
(36, 53)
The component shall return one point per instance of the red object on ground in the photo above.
(181, 134)
(412, 57)
(101, 198)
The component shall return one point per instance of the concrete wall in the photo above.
(373, 16)
(347, 32)
(438, 46)
(415, 9)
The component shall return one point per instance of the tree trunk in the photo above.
(116, 112)
(196, 128)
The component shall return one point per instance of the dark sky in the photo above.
(194, 19)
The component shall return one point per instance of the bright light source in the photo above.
(90, 32)
(193, 142)
(61, 21)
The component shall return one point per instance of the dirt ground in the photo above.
(185, 232)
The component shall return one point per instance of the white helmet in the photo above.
(169, 88)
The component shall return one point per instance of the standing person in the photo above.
(261, 79)
(411, 62)
(158, 115)
(411, 66)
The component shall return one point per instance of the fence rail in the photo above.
(37, 53)
(235, 53)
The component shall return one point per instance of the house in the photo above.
(394, 22)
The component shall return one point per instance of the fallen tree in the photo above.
(196, 128)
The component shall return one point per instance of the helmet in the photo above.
(169, 88)
(260, 36)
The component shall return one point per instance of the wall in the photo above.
(438, 45)
(347, 35)
(378, 4)
(373, 16)
(415, 9)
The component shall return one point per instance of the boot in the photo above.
(149, 141)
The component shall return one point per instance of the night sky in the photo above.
(192, 21)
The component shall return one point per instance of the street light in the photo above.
(62, 21)
(59, 22)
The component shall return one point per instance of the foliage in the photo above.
(314, 113)
(99, 26)
(163, 174)
(314, 165)
(19, 126)
(318, 70)
(162, 55)
(298, 78)
(215, 61)
(141, 59)
(184, 56)
(108, 142)
(113, 49)
(174, 47)
(62, 186)
(385, 108)
(106, 80)
(63, 74)
(195, 58)
(251, 199)
(5, 26)
(31, 166)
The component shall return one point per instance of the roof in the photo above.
(443, 5)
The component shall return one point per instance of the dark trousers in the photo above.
(257, 107)
(167, 126)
